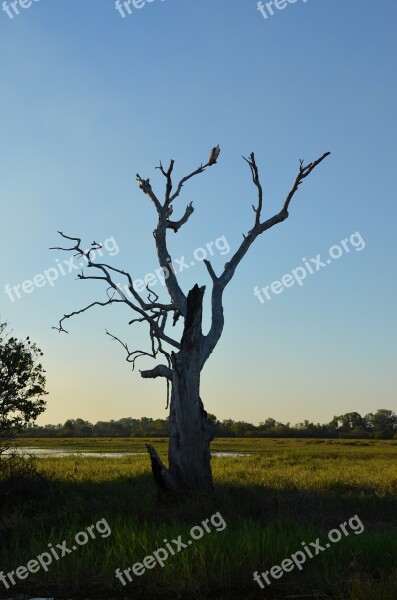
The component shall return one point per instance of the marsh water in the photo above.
(58, 452)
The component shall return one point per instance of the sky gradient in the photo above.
(88, 99)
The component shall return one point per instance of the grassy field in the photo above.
(281, 494)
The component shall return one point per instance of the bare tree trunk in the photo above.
(190, 432)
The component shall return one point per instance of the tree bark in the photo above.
(191, 433)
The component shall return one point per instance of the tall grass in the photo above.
(282, 493)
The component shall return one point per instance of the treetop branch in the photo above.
(303, 172)
(220, 283)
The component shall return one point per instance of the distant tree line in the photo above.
(382, 425)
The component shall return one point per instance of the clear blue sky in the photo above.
(89, 98)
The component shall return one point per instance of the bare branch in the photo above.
(167, 174)
(82, 276)
(105, 268)
(199, 170)
(257, 183)
(160, 233)
(175, 225)
(158, 371)
(264, 226)
(138, 320)
(67, 237)
(131, 356)
(165, 261)
(82, 310)
(220, 283)
(142, 308)
(210, 270)
(303, 172)
(156, 297)
(145, 186)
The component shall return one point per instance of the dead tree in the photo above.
(189, 467)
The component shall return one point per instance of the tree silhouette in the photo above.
(22, 384)
(183, 359)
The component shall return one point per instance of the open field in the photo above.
(255, 445)
(283, 493)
